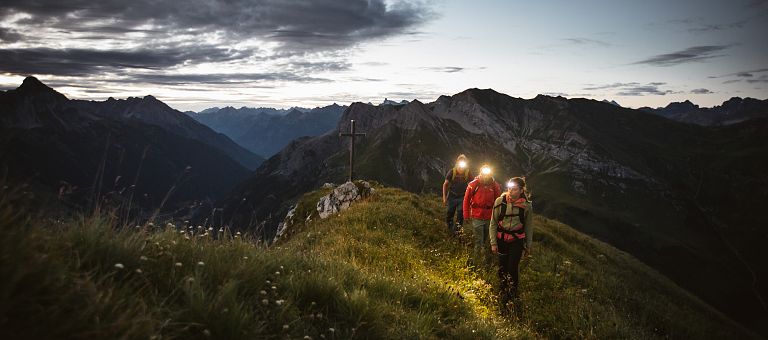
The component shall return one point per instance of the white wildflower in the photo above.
(286, 327)
(178, 264)
(143, 258)
(279, 302)
(139, 271)
(201, 263)
(119, 266)
(263, 292)
(265, 302)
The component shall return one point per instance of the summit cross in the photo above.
(352, 134)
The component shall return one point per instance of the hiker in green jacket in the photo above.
(511, 231)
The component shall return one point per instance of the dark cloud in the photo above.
(643, 91)
(592, 87)
(74, 62)
(762, 79)
(587, 41)
(744, 74)
(632, 89)
(701, 91)
(692, 54)
(8, 35)
(216, 78)
(295, 25)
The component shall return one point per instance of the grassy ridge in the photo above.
(385, 268)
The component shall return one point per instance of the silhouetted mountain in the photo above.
(680, 197)
(732, 111)
(613, 102)
(119, 150)
(263, 132)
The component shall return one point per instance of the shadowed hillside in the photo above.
(382, 269)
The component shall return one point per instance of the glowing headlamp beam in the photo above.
(462, 164)
(485, 170)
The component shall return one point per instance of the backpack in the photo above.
(503, 213)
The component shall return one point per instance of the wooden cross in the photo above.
(352, 135)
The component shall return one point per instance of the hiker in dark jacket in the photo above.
(511, 231)
(478, 204)
(455, 184)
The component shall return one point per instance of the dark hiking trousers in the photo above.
(454, 204)
(509, 270)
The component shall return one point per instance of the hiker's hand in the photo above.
(444, 201)
(495, 249)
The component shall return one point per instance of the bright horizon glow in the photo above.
(635, 53)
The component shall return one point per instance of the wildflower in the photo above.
(138, 226)
(238, 233)
(177, 264)
(139, 271)
(312, 304)
(279, 302)
(170, 225)
(286, 327)
(221, 230)
(201, 263)
(319, 315)
(207, 333)
(265, 302)
(182, 232)
(225, 310)
(119, 266)
(307, 337)
(150, 224)
(210, 228)
(268, 282)
(277, 273)
(567, 263)
(583, 291)
(331, 330)
(191, 279)
(263, 292)
(274, 288)
(199, 227)
(143, 258)
(245, 257)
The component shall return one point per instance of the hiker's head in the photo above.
(461, 162)
(516, 187)
(486, 173)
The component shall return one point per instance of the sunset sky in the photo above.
(201, 53)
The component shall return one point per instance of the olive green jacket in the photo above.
(511, 221)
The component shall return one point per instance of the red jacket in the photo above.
(479, 198)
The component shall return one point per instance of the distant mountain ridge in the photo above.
(264, 131)
(732, 111)
(647, 185)
(139, 146)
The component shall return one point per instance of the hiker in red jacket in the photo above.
(478, 205)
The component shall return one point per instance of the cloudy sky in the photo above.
(196, 54)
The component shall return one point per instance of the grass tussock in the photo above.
(385, 268)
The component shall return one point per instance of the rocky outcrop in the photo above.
(342, 197)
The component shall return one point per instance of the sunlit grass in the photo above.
(385, 268)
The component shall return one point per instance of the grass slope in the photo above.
(385, 268)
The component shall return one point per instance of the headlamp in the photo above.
(485, 170)
(511, 184)
(462, 164)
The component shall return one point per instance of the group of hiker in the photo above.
(504, 216)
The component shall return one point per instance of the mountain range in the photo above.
(680, 197)
(266, 131)
(732, 111)
(137, 150)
